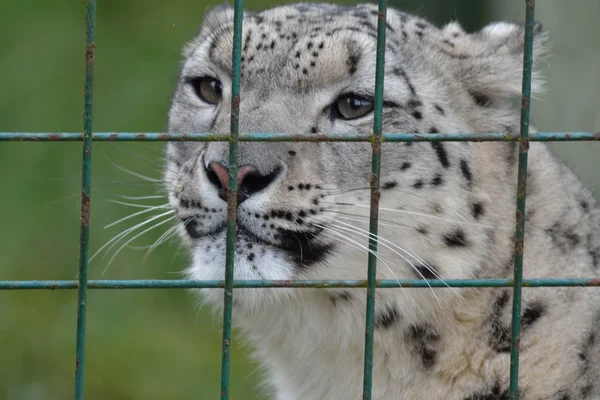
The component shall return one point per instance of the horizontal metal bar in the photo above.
(305, 137)
(319, 284)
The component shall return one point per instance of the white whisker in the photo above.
(396, 252)
(163, 238)
(133, 173)
(140, 197)
(132, 239)
(429, 216)
(386, 243)
(135, 215)
(127, 231)
(138, 205)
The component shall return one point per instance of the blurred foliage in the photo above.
(141, 344)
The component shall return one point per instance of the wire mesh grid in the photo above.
(376, 139)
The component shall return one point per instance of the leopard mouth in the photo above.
(303, 248)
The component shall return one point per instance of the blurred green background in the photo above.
(155, 344)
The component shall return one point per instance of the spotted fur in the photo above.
(447, 209)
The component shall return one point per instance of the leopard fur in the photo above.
(447, 209)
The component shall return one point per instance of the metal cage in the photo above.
(376, 139)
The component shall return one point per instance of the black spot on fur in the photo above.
(442, 155)
(439, 109)
(481, 99)
(426, 271)
(422, 230)
(563, 238)
(402, 73)
(561, 396)
(492, 394)
(437, 180)
(292, 153)
(353, 59)
(251, 257)
(456, 239)
(512, 154)
(404, 166)
(425, 338)
(449, 43)
(304, 248)
(417, 115)
(247, 41)
(531, 314)
(184, 203)
(433, 130)
(595, 257)
(414, 103)
(498, 335)
(191, 226)
(339, 297)
(586, 391)
(477, 210)
(389, 185)
(418, 184)
(466, 171)
(387, 318)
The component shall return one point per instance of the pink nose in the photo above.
(245, 173)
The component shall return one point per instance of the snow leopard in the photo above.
(447, 209)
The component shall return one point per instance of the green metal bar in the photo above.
(317, 284)
(374, 209)
(84, 232)
(521, 197)
(231, 197)
(303, 137)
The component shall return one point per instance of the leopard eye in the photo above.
(351, 106)
(208, 89)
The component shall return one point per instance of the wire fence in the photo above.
(376, 139)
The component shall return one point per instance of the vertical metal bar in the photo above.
(84, 232)
(231, 196)
(374, 211)
(521, 196)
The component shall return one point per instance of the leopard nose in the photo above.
(249, 180)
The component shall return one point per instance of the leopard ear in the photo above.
(490, 62)
(216, 17)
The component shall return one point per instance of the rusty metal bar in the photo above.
(317, 284)
(374, 209)
(301, 137)
(84, 232)
(521, 197)
(231, 198)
